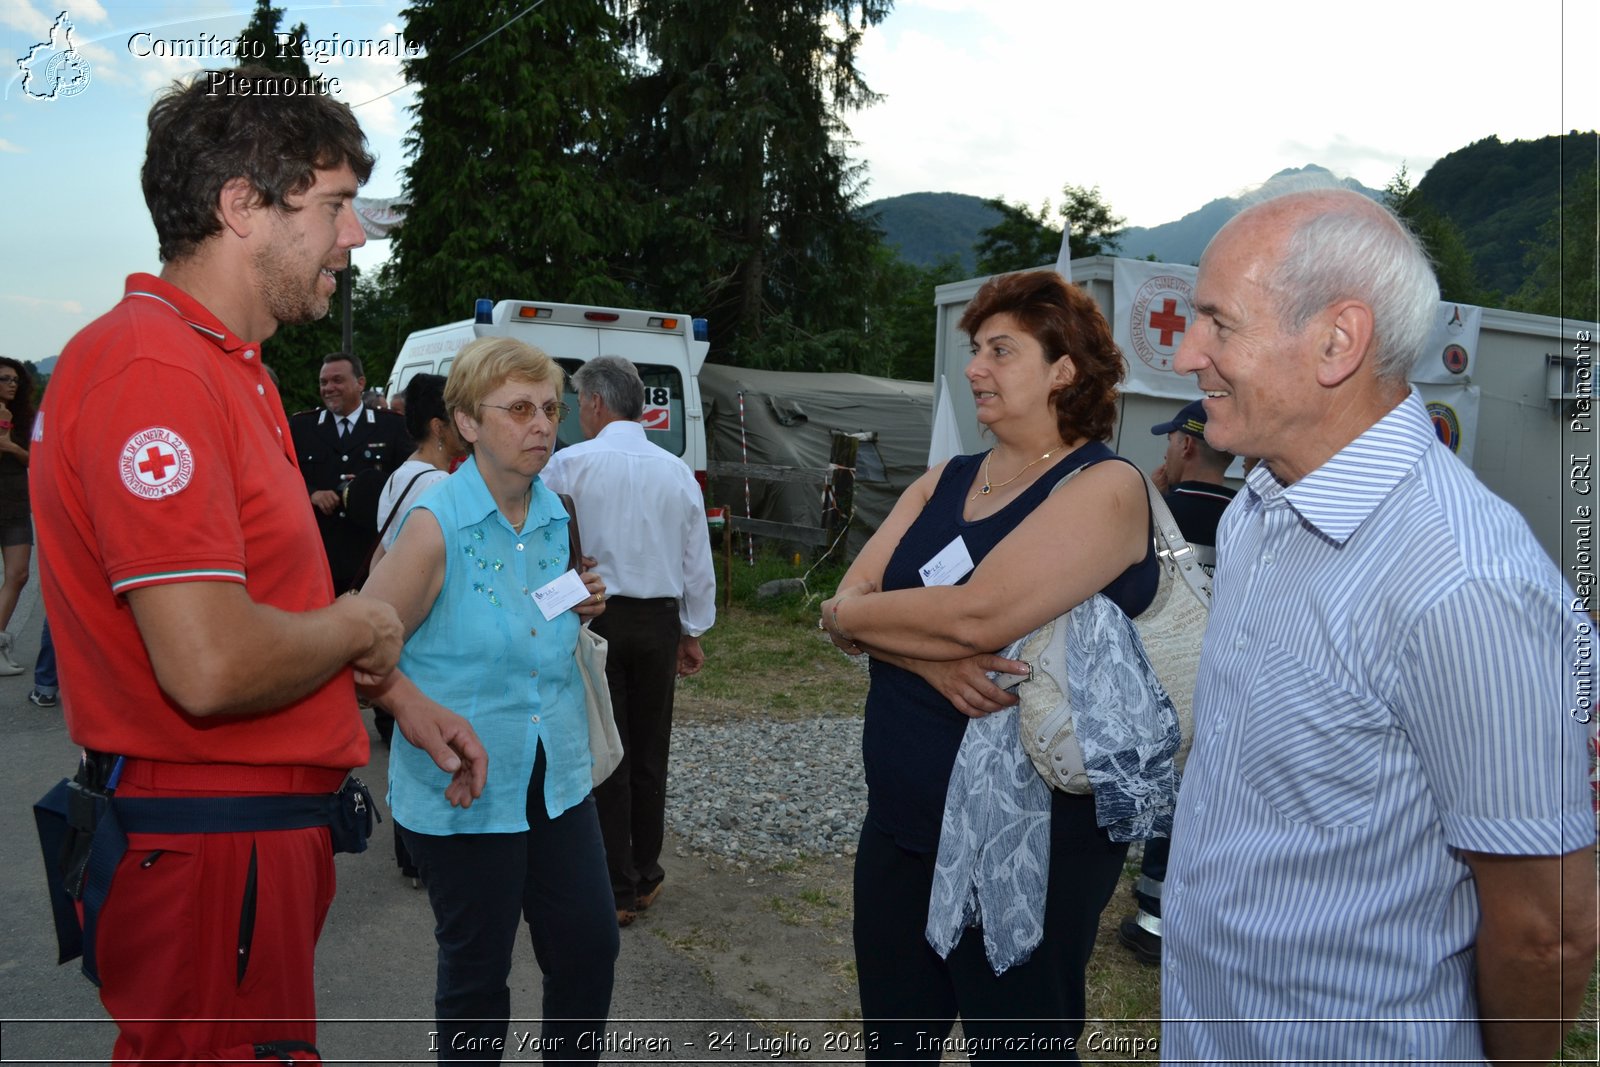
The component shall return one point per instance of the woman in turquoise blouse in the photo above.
(462, 574)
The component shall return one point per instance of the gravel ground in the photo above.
(760, 793)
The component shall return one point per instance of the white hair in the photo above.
(1351, 247)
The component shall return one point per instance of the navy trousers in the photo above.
(482, 886)
(910, 998)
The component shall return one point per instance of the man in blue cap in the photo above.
(1190, 480)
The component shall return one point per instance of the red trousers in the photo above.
(207, 941)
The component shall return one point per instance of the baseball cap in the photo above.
(1191, 419)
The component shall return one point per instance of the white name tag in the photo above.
(560, 595)
(952, 564)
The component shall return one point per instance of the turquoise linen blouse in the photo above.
(486, 652)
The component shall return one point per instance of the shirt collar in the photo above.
(621, 428)
(478, 506)
(148, 287)
(1340, 495)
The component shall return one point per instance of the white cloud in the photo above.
(7, 146)
(1168, 104)
(39, 303)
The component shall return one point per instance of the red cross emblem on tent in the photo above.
(1160, 314)
(155, 463)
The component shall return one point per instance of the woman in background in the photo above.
(16, 518)
(978, 552)
(439, 447)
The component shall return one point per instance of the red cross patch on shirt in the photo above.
(156, 463)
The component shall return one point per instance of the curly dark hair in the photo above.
(1066, 322)
(22, 406)
(249, 122)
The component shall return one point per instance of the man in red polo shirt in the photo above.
(201, 649)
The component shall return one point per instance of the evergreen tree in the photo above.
(737, 155)
(1452, 262)
(511, 189)
(1565, 260)
(260, 44)
(1024, 239)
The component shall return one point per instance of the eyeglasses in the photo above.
(9, 379)
(522, 410)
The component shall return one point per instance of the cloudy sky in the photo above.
(1163, 104)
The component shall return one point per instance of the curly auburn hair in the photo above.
(1066, 322)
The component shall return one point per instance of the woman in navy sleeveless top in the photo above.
(978, 552)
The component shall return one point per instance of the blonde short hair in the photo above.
(484, 365)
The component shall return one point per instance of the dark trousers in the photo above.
(641, 671)
(1152, 874)
(910, 998)
(44, 668)
(481, 886)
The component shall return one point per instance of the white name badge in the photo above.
(952, 564)
(560, 595)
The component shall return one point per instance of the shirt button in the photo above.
(261, 389)
(533, 674)
(1266, 557)
(248, 353)
(519, 546)
(533, 633)
(1238, 642)
(536, 719)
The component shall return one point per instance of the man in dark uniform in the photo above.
(1190, 480)
(337, 443)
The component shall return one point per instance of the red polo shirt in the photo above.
(162, 455)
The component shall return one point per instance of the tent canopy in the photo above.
(789, 419)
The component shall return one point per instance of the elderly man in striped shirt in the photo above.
(1384, 842)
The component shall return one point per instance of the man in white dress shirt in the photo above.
(642, 519)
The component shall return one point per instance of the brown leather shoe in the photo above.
(626, 917)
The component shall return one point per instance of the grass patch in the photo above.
(818, 898)
(766, 662)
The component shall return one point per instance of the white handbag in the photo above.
(1172, 627)
(1170, 630)
(605, 743)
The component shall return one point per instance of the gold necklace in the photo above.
(527, 503)
(986, 488)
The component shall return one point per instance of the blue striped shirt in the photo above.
(1385, 681)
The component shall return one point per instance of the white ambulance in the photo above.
(667, 349)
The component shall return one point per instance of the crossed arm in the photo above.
(1076, 542)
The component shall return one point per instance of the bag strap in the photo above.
(401, 499)
(1170, 544)
(574, 542)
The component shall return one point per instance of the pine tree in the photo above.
(510, 182)
(260, 44)
(737, 155)
(1441, 238)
